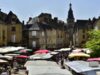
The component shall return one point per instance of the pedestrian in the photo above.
(72, 48)
(62, 63)
(15, 66)
(26, 72)
(57, 58)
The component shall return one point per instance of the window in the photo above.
(34, 44)
(42, 33)
(33, 33)
(83, 36)
(83, 31)
(13, 38)
(3, 35)
(13, 29)
(96, 28)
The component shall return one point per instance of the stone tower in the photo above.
(70, 24)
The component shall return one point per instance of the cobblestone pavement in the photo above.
(20, 72)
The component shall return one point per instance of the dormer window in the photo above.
(13, 29)
(96, 28)
(33, 33)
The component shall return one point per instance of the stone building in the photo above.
(82, 27)
(97, 24)
(49, 33)
(78, 31)
(10, 29)
(70, 25)
(53, 33)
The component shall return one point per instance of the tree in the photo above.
(94, 43)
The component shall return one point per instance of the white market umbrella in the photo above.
(3, 61)
(54, 53)
(64, 49)
(47, 56)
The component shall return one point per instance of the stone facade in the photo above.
(82, 27)
(43, 31)
(97, 24)
(10, 29)
(78, 31)
(51, 33)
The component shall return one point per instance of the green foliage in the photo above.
(94, 43)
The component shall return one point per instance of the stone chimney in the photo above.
(30, 18)
(55, 19)
(23, 22)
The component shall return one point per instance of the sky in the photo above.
(82, 9)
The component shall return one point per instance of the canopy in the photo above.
(88, 51)
(25, 50)
(21, 51)
(6, 57)
(54, 53)
(79, 54)
(10, 49)
(22, 56)
(29, 49)
(41, 56)
(77, 50)
(36, 56)
(82, 67)
(47, 56)
(12, 54)
(3, 61)
(64, 49)
(93, 59)
(42, 51)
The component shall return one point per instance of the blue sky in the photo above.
(83, 9)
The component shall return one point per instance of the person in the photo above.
(9, 70)
(4, 72)
(15, 66)
(62, 61)
(72, 48)
(26, 72)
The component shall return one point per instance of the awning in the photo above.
(79, 54)
(41, 56)
(42, 51)
(22, 56)
(3, 61)
(64, 49)
(93, 59)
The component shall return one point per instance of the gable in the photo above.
(34, 27)
(97, 25)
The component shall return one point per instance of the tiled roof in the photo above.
(81, 23)
(32, 27)
(70, 12)
(45, 26)
(2, 16)
(11, 17)
(44, 15)
(28, 26)
(51, 24)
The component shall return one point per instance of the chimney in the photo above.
(23, 22)
(30, 18)
(55, 19)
